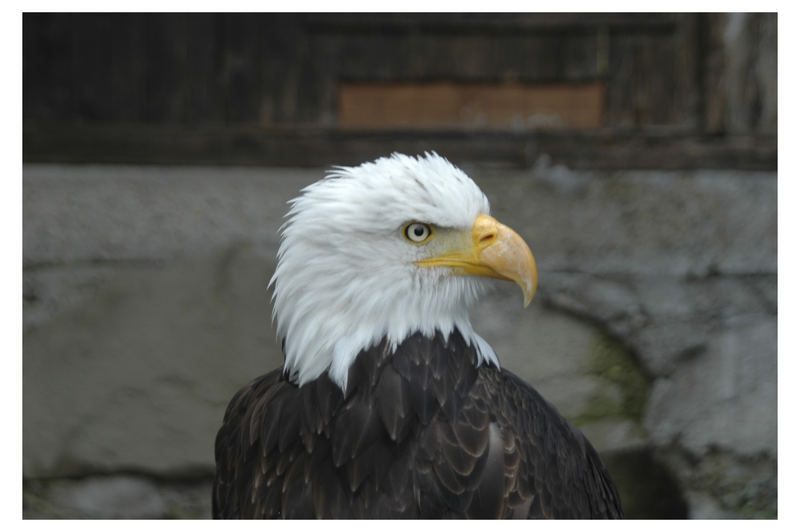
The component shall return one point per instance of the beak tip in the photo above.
(528, 290)
(526, 300)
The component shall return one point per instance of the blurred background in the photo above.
(635, 153)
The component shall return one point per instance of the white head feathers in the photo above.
(346, 276)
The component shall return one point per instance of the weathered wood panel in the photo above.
(653, 77)
(676, 75)
(740, 83)
(285, 68)
(377, 56)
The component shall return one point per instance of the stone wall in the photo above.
(145, 307)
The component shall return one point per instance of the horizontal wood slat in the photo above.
(600, 149)
(437, 105)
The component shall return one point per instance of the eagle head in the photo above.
(384, 250)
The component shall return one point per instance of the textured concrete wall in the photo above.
(145, 308)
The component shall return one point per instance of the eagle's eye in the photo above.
(417, 233)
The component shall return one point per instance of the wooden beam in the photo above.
(59, 143)
(471, 105)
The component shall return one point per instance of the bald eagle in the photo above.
(389, 404)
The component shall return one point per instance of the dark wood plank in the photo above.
(316, 147)
(653, 78)
(376, 57)
(485, 22)
(740, 82)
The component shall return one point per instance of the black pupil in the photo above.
(419, 230)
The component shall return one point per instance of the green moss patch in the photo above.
(614, 364)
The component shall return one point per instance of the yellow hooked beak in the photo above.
(495, 250)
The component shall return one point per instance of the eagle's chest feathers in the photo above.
(392, 419)
(391, 393)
